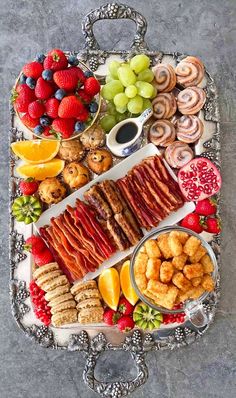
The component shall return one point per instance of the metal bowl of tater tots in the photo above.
(172, 266)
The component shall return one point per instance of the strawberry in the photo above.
(91, 86)
(70, 107)
(63, 127)
(84, 115)
(125, 323)
(29, 121)
(192, 221)
(43, 89)
(21, 97)
(80, 74)
(125, 307)
(35, 245)
(66, 79)
(33, 69)
(28, 186)
(36, 109)
(47, 131)
(55, 60)
(206, 207)
(85, 97)
(110, 317)
(213, 225)
(44, 257)
(51, 107)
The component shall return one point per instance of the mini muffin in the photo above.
(99, 161)
(51, 191)
(71, 151)
(75, 175)
(93, 138)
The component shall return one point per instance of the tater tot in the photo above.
(191, 246)
(182, 236)
(196, 281)
(181, 282)
(196, 292)
(156, 287)
(166, 271)
(198, 255)
(163, 244)
(140, 264)
(141, 281)
(175, 245)
(207, 264)
(170, 297)
(179, 261)
(153, 268)
(193, 270)
(142, 249)
(208, 283)
(152, 248)
(158, 298)
(182, 297)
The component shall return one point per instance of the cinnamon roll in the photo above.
(191, 100)
(178, 154)
(164, 106)
(162, 133)
(190, 72)
(165, 77)
(189, 128)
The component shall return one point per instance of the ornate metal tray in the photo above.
(94, 341)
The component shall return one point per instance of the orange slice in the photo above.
(36, 151)
(41, 171)
(126, 285)
(109, 286)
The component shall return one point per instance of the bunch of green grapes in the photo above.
(128, 89)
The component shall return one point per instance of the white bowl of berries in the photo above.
(56, 96)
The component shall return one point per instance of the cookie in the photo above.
(45, 269)
(64, 317)
(88, 303)
(83, 286)
(60, 299)
(87, 294)
(66, 305)
(52, 284)
(91, 315)
(47, 277)
(57, 292)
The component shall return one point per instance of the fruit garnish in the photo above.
(213, 225)
(43, 90)
(109, 287)
(35, 151)
(26, 209)
(194, 222)
(111, 317)
(125, 324)
(70, 107)
(43, 257)
(41, 308)
(55, 60)
(125, 307)
(51, 107)
(91, 86)
(28, 121)
(66, 79)
(63, 128)
(146, 317)
(126, 285)
(33, 69)
(206, 207)
(199, 179)
(28, 186)
(36, 109)
(34, 244)
(21, 97)
(42, 170)
(174, 318)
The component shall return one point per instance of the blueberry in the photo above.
(23, 79)
(30, 82)
(73, 60)
(93, 107)
(45, 121)
(88, 73)
(40, 57)
(38, 130)
(47, 74)
(59, 94)
(79, 126)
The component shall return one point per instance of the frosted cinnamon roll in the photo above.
(190, 72)
(164, 106)
(191, 100)
(165, 77)
(162, 133)
(178, 154)
(189, 128)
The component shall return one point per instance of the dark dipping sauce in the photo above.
(126, 133)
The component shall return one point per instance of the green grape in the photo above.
(126, 75)
(121, 109)
(113, 67)
(108, 122)
(121, 116)
(135, 105)
(131, 91)
(154, 91)
(144, 89)
(111, 109)
(120, 100)
(139, 63)
(109, 90)
(146, 75)
(108, 78)
(146, 104)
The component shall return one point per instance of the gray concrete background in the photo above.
(205, 28)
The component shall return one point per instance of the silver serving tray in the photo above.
(95, 340)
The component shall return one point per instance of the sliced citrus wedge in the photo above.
(41, 171)
(109, 287)
(36, 151)
(126, 285)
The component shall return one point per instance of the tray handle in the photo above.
(115, 11)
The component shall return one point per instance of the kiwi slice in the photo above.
(146, 317)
